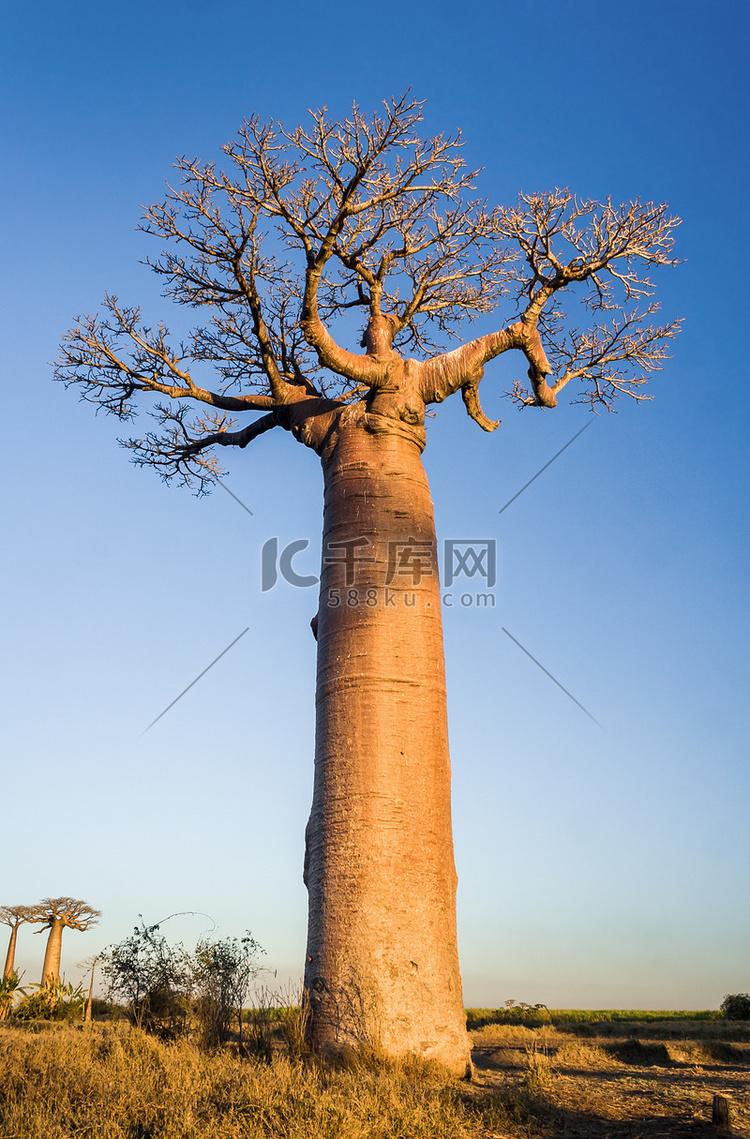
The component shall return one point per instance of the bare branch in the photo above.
(308, 224)
(565, 239)
(14, 916)
(114, 358)
(180, 451)
(605, 252)
(604, 356)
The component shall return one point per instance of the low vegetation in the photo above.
(613, 1078)
(173, 1054)
(520, 1013)
(170, 992)
(118, 1082)
(56, 1000)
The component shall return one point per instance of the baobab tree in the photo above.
(58, 914)
(89, 963)
(305, 229)
(14, 916)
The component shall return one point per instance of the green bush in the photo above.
(152, 980)
(10, 989)
(169, 992)
(736, 1006)
(222, 972)
(54, 1000)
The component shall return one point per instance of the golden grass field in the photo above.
(607, 1079)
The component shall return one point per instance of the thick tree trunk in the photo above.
(51, 967)
(382, 958)
(10, 957)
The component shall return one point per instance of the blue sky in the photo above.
(599, 867)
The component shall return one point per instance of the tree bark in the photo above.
(10, 958)
(382, 957)
(51, 967)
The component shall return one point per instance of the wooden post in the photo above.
(720, 1111)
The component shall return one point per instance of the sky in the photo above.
(601, 864)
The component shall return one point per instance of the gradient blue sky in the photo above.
(599, 867)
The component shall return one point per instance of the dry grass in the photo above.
(116, 1083)
(573, 1054)
(111, 1082)
(506, 1035)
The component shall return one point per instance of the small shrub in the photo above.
(54, 1000)
(736, 1006)
(169, 992)
(102, 1009)
(10, 988)
(152, 979)
(222, 972)
(539, 1074)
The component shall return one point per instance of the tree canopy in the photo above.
(69, 912)
(17, 915)
(308, 224)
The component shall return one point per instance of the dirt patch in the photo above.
(607, 1088)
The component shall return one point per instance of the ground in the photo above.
(614, 1080)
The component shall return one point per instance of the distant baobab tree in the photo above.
(14, 916)
(58, 914)
(90, 963)
(306, 228)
